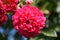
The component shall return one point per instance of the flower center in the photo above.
(27, 22)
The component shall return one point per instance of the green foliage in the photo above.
(50, 33)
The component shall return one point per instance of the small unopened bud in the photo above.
(46, 12)
(29, 1)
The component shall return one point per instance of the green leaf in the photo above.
(57, 28)
(33, 38)
(41, 39)
(49, 33)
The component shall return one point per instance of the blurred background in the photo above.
(51, 9)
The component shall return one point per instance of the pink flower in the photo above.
(29, 21)
(3, 17)
(11, 5)
(29, 1)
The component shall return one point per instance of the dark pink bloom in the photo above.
(3, 17)
(29, 21)
(11, 5)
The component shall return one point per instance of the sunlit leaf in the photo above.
(50, 33)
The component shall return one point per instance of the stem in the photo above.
(45, 5)
(28, 38)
